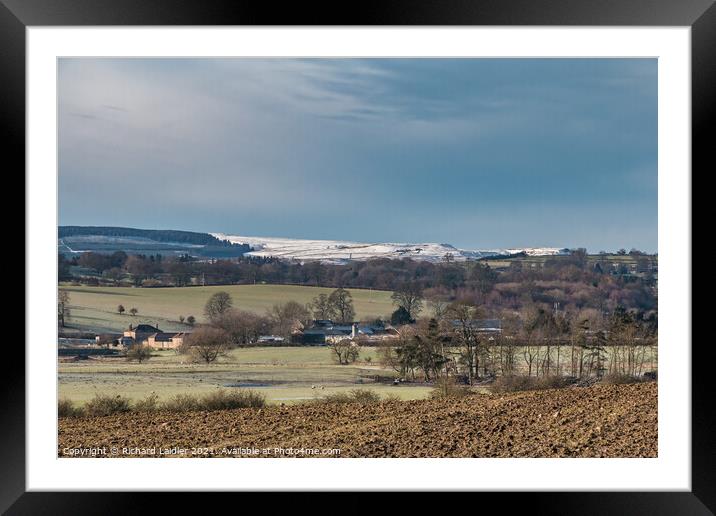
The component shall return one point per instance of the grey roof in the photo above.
(342, 328)
(163, 336)
(337, 331)
(145, 328)
(315, 331)
(323, 328)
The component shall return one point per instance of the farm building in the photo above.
(325, 331)
(487, 326)
(141, 332)
(164, 340)
(309, 336)
(270, 339)
(152, 336)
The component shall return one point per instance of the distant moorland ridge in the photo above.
(160, 235)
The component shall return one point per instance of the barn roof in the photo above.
(146, 328)
(163, 336)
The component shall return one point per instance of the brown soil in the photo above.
(599, 421)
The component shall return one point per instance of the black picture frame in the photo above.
(700, 15)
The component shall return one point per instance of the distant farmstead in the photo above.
(152, 336)
(325, 332)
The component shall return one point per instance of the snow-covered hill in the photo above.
(337, 251)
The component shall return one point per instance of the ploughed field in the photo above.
(597, 421)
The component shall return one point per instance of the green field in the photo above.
(95, 308)
(283, 374)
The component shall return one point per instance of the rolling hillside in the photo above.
(108, 239)
(338, 251)
(95, 308)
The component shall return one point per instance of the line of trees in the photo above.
(535, 342)
(336, 306)
(572, 281)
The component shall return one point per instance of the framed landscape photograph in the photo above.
(464, 251)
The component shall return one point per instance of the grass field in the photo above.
(95, 308)
(284, 374)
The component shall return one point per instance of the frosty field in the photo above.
(284, 374)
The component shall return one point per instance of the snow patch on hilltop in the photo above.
(339, 251)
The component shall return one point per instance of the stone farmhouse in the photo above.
(152, 336)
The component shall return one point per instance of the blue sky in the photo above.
(479, 153)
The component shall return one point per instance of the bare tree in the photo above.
(323, 307)
(342, 301)
(206, 344)
(507, 342)
(624, 339)
(218, 304)
(63, 307)
(438, 306)
(139, 353)
(287, 317)
(345, 351)
(409, 295)
(387, 357)
(242, 327)
(463, 315)
(586, 331)
(532, 337)
(133, 311)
